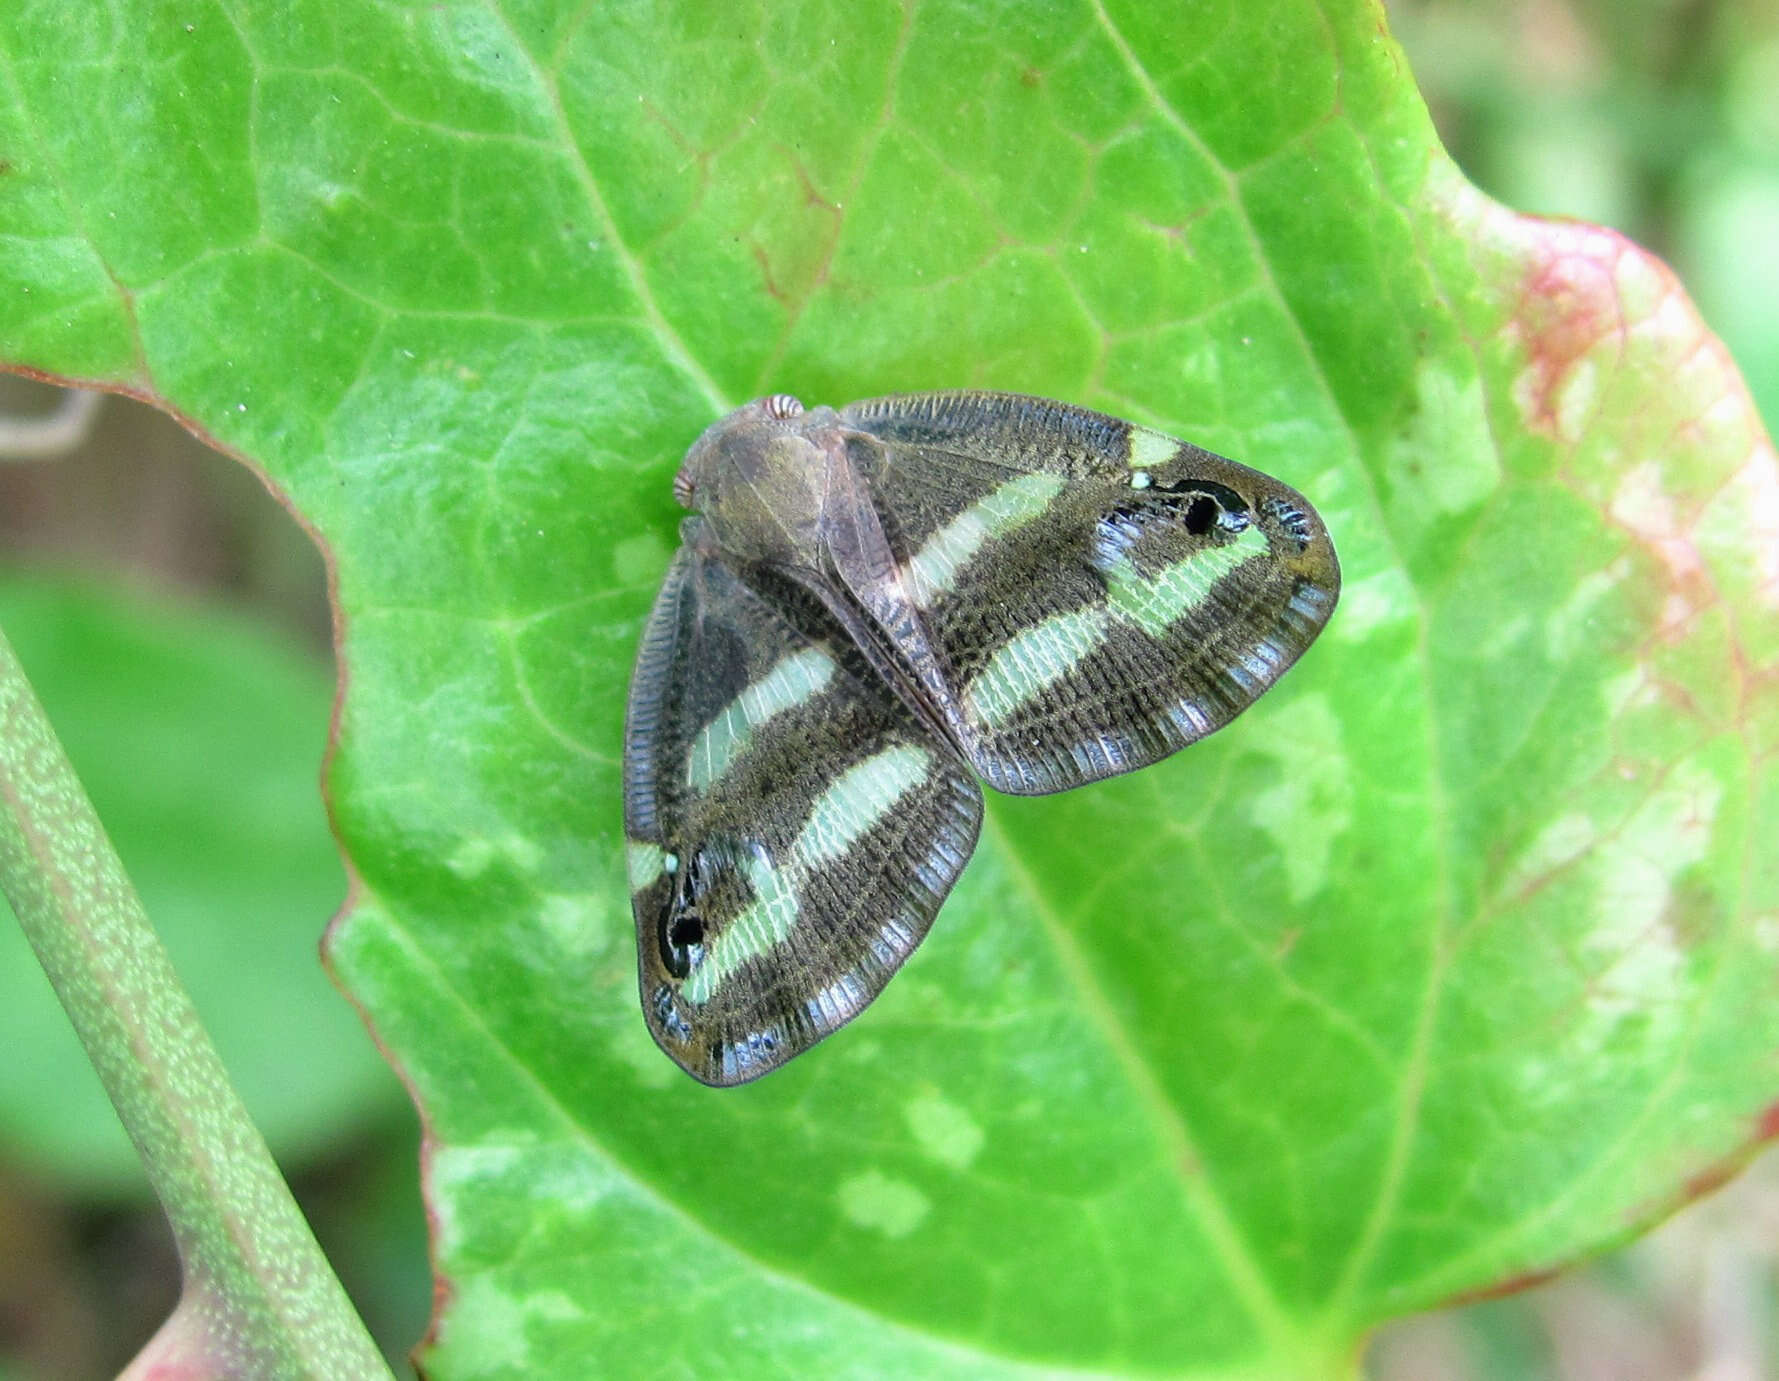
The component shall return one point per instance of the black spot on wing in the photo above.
(1167, 522)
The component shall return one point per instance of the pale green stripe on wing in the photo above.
(1028, 662)
(858, 799)
(842, 815)
(934, 569)
(1155, 603)
(765, 923)
(792, 681)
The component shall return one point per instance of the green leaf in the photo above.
(1449, 963)
(198, 738)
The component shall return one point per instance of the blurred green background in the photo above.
(174, 619)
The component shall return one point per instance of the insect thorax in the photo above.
(761, 484)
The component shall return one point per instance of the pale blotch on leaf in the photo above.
(555, 1306)
(944, 1131)
(1740, 528)
(1501, 639)
(1576, 400)
(1375, 602)
(1641, 502)
(469, 1170)
(499, 1340)
(1311, 806)
(632, 1044)
(1641, 955)
(1559, 843)
(1625, 691)
(640, 560)
(566, 1188)
(477, 50)
(578, 923)
(1566, 628)
(471, 857)
(474, 855)
(875, 1201)
(1450, 423)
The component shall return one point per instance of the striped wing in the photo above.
(1078, 596)
(792, 828)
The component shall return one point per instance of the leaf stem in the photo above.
(258, 1296)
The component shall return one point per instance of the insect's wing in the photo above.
(1077, 596)
(792, 828)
